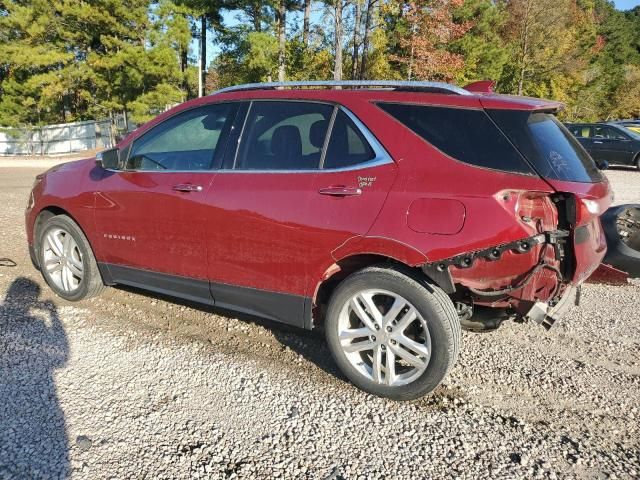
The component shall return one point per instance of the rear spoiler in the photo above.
(490, 99)
(483, 86)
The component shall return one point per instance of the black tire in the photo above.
(91, 283)
(433, 305)
(637, 161)
(622, 255)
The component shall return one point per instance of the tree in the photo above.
(337, 45)
(484, 51)
(431, 29)
(65, 60)
(68, 61)
(368, 22)
(542, 33)
(281, 19)
(210, 13)
(306, 22)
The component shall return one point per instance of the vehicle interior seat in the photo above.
(286, 147)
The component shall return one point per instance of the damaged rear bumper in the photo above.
(440, 271)
(546, 314)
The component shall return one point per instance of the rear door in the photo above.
(304, 179)
(258, 210)
(348, 191)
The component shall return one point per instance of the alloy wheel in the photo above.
(63, 260)
(384, 337)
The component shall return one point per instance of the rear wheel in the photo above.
(391, 334)
(637, 161)
(66, 260)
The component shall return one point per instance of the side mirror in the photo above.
(109, 159)
(602, 164)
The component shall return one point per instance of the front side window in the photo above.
(283, 136)
(466, 135)
(608, 133)
(187, 141)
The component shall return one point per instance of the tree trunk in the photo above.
(411, 55)
(305, 25)
(202, 81)
(365, 41)
(184, 62)
(414, 32)
(256, 14)
(356, 39)
(524, 48)
(337, 71)
(126, 120)
(282, 39)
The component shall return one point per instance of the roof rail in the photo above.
(429, 87)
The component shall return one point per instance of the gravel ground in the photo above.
(133, 385)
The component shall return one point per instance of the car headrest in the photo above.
(318, 132)
(286, 144)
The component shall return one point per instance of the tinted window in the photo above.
(187, 141)
(283, 136)
(466, 135)
(633, 131)
(548, 145)
(607, 133)
(347, 146)
(580, 131)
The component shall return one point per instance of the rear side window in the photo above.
(608, 133)
(548, 145)
(580, 131)
(347, 145)
(187, 141)
(283, 136)
(464, 134)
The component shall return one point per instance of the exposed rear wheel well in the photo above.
(343, 269)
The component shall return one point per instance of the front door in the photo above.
(150, 214)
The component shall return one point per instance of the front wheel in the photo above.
(391, 334)
(66, 260)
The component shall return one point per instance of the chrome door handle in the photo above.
(340, 191)
(187, 187)
(598, 142)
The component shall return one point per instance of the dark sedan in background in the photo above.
(613, 143)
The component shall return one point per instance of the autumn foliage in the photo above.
(430, 29)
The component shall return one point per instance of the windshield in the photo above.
(548, 145)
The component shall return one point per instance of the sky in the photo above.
(626, 4)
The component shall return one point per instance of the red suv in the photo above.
(389, 214)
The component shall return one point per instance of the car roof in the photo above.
(478, 96)
(470, 99)
(594, 124)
